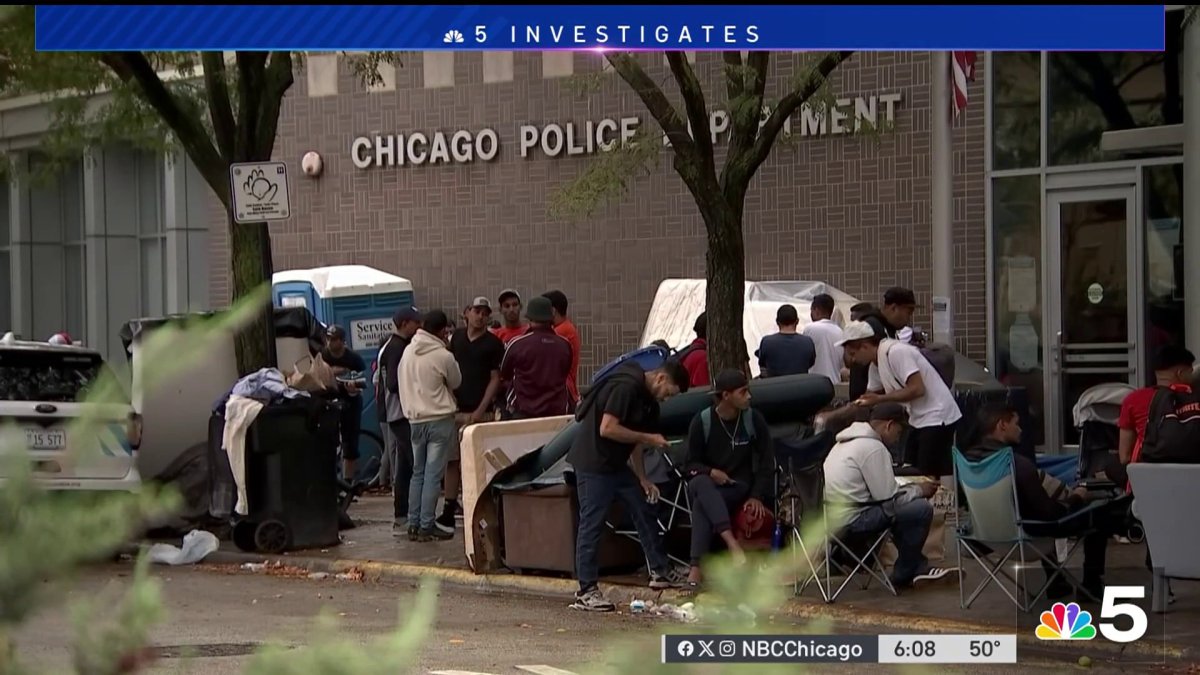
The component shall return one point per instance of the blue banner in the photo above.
(646, 27)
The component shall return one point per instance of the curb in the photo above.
(869, 621)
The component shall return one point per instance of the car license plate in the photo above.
(46, 439)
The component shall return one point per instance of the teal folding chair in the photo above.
(994, 531)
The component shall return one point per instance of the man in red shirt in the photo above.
(695, 361)
(510, 309)
(566, 330)
(1172, 368)
(537, 364)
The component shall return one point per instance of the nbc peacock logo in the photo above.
(1066, 622)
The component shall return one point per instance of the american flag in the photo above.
(962, 71)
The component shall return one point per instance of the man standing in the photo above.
(405, 323)
(566, 329)
(786, 352)
(618, 419)
(858, 471)
(694, 357)
(1172, 370)
(345, 362)
(536, 365)
(478, 354)
(900, 374)
(428, 377)
(510, 310)
(825, 335)
(730, 465)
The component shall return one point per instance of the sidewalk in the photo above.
(1172, 638)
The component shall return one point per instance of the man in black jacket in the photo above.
(618, 420)
(1041, 496)
(730, 465)
(405, 322)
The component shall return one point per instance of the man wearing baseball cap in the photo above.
(478, 354)
(510, 311)
(859, 478)
(405, 322)
(537, 365)
(730, 465)
(899, 373)
(345, 361)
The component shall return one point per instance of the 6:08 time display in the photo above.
(916, 649)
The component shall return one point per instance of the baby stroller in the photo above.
(1096, 416)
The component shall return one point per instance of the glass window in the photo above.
(152, 277)
(1016, 110)
(73, 267)
(1017, 241)
(5, 293)
(5, 231)
(1094, 92)
(1163, 187)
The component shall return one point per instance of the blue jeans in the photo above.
(596, 493)
(910, 528)
(431, 444)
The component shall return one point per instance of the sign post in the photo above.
(260, 194)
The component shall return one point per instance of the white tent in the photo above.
(679, 301)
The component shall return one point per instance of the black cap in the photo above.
(786, 315)
(1171, 356)
(889, 412)
(508, 293)
(729, 380)
(335, 332)
(406, 314)
(897, 295)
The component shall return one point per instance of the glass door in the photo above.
(1093, 284)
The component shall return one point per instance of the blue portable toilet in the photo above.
(358, 298)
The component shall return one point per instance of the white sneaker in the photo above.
(592, 601)
(935, 573)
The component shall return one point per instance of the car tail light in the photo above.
(133, 430)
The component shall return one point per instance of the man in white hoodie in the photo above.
(858, 476)
(428, 376)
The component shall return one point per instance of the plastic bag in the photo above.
(197, 545)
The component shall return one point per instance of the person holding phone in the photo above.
(618, 419)
(730, 467)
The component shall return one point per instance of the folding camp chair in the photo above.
(799, 485)
(994, 531)
(1166, 501)
(664, 469)
(852, 553)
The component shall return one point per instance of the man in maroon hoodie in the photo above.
(537, 364)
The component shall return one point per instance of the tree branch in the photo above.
(697, 109)
(656, 103)
(790, 103)
(744, 131)
(133, 66)
(220, 110)
(733, 84)
(278, 79)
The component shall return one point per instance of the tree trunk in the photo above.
(250, 260)
(725, 290)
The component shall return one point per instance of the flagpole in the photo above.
(942, 194)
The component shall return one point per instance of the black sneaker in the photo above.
(434, 534)
(592, 600)
(672, 579)
(446, 520)
(413, 533)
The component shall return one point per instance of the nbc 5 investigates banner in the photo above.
(840, 649)
(600, 27)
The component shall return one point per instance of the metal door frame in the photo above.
(1074, 191)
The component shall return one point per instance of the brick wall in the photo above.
(851, 211)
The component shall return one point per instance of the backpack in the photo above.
(1173, 428)
(942, 358)
(706, 422)
(680, 355)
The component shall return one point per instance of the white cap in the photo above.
(856, 330)
(59, 339)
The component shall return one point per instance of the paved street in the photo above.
(220, 615)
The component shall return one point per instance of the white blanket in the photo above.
(240, 413)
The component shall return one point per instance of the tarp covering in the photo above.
(290, 322)
(679, 301)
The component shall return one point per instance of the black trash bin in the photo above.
(291, 478)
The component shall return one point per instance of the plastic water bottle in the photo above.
(777, 537)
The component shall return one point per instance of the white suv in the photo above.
(43, 389)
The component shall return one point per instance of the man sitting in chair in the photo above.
(730, 465)
(1041, 496)
(859, 476)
